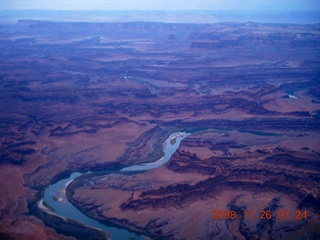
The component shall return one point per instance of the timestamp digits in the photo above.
(263, 214)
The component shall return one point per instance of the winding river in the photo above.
(55, 194)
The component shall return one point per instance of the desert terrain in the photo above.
(97, 97)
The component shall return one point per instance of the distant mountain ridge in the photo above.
(197, 16)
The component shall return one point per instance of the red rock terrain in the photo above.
(215, 170)
(99, 96)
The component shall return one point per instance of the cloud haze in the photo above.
(161, 4)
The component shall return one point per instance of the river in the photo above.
(55, 194)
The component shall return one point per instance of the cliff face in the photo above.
(216, 170)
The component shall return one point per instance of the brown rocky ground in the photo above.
(216, 170)
(85, 96)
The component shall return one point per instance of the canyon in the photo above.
(80, 96)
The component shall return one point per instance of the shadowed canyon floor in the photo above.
(101, 96)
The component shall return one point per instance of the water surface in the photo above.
(55, 194)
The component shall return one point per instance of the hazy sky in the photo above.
(161, 4)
